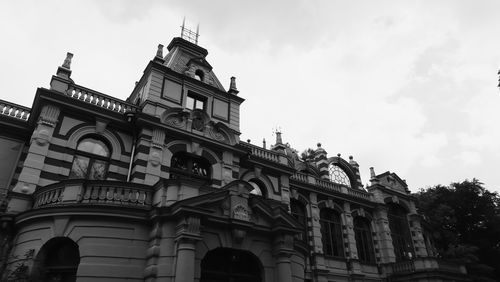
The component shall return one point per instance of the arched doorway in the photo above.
(230, 265)
(57, 260)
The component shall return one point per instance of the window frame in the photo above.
(331, 232)
(92, 158)
(176, 172)
(400, 232)
(364, 240)
(299, 211)
(197, 98)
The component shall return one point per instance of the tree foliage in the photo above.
(464, 219)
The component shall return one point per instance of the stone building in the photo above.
(160, 188)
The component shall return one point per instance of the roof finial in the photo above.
(159, 52)
(232, 86)
(67, 61)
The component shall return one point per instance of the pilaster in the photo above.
(187, 234)
(153, 169)
(39, 147)
(383, 231)
(283, 250)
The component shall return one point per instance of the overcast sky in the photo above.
(404, 86)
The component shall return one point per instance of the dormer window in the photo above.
(194, 101)
(198, 75)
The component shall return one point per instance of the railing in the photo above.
(329, 185)
(14, 110)
(424, 264)
(99, 99)
(300, 177)
(75, 192)
(110, 194)
(403, 267)
(358, 194)
(262, 153)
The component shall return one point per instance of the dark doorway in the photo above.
(230, 265)
(57, 261)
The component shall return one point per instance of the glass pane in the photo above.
(190, 103)
(256, 189)
(338, 175)
(98, 170)
(79, 168)
(199, 104)
(93, 146)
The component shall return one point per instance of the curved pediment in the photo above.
(199, 122)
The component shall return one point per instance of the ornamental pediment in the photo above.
(199, 122)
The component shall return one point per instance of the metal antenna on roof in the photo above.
(188, 34)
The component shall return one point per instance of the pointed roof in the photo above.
(186, 57)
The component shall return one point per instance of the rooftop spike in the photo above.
(232, 86)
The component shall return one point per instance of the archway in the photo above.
(57, 260)
(230, 265)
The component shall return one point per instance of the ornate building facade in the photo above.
(160, 188)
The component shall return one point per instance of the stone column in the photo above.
(187, 234)
(39, 147)
(386, 249)
(283, 250)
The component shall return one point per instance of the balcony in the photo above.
(407, 270)
(93, 192)
(330, 186)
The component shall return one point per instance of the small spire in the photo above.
(278, 138)
(67, 62)
(264, 143)
(64, 71)
(372, 172)
(159, 52)
(232, 86)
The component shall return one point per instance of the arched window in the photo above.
(331, 233)
(258, 188)
(198, 75)
(91, 159)
(190, 166)
(298, 211)
(58, 260)
(400, 232)
(338, 175)
(364, 240)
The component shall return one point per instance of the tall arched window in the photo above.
(298, 211)
(364, 240)
(400, 232)
(190, 166)
(58, 261)
(331, 233)
(91, 159)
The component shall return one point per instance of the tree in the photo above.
(465, 222)
(308, 155)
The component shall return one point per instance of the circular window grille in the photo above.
(338, 175)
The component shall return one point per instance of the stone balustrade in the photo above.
(14, 110)
(425, 264)
(99, 99)
(331, 186)
(262, 153)
(76, 192)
